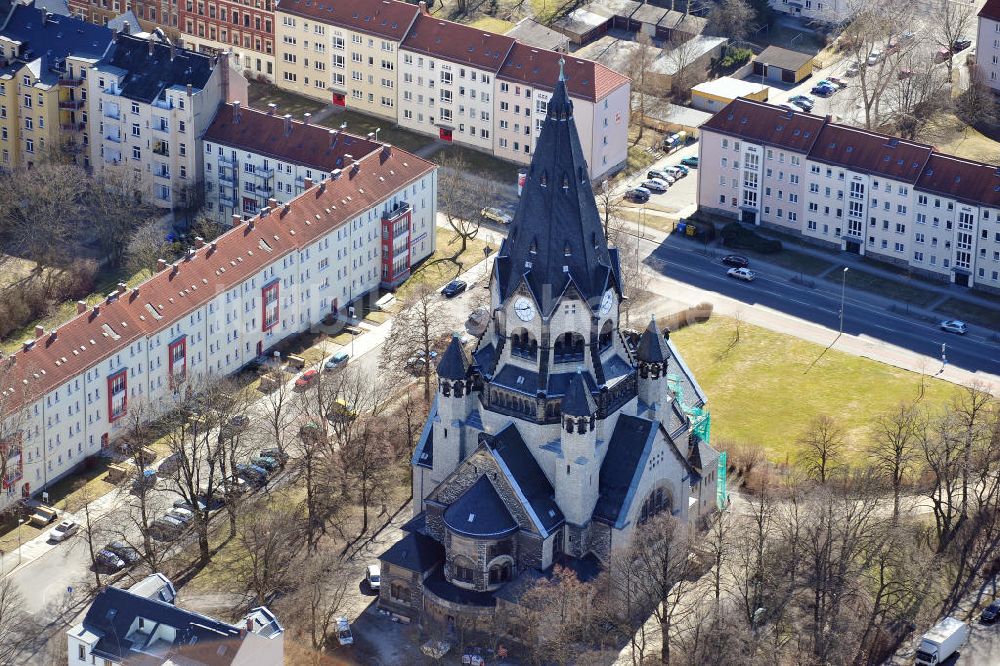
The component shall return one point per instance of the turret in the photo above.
(653, 356)
(577, 473)
(453, 407)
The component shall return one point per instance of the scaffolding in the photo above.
(701, 420)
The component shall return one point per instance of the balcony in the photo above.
(264, 173)
(231, 161)
(72, 127)
(162, 173)
(227, 201)
(112, 112)
(72, 83)
(227, 178)
(161, 148)
(116, 137)
(162, 126)
(162, 104)
(71, 104)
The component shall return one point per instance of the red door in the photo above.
(339, 99)
(26, 490)
(260, 347)
(445, 134)
(104, 441)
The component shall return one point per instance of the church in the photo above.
(558, 435)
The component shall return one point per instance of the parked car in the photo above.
(674, 141)
(874, 57)
(105, 560)
(840, 83)
(184, 504)
(270, 464)
(166, 528)
(853, 70)
(960, 45)
(991, 612)
(454, 288)
(126, 552)
(690, 162)
(306, 378)
(254, 474)
(674, 172)
(803, 102)
(337, 360)
(497, 215)
(638, 195)
(656, 185)
(683, 169)
(276, 454)
(374, 576)
(185, 516)
(64, 530)
(344, 636)
(657, 174)
(823, 90)
(736, 261)
(954, 326)
(744, 274)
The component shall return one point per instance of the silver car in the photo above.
(954, 326)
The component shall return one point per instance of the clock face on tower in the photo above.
(606, 302)
(524, 309)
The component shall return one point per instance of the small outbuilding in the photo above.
(777, 64)
(712, 96)
(533, 33)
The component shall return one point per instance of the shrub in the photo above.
(692, 315)
(734, 58)
(735, 235)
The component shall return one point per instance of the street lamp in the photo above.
(843, 288)
(20, 521)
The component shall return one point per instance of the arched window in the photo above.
(658, 500)
(500, 572)
(463, 569)
(569, 348)
(523, 344)
(607, 335)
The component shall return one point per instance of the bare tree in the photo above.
(415, 329)
(116, 208)
(976, 105)
(146, 246)
(270, 538)
(554, 617)
(822, 446)
(636, 67)
(635, 274)
(16, 626)
(919, 92)
(462, 194)
(279, 406)
(323, 585)
(733, 19)
(948, 23)
(894, 448)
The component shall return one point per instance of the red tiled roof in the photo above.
(991, 10)
(767, 124)
(539, 68)
(385, 18)
(458, 43)
(239, 254)
(311, 145)
(862, 150)
(962, 179)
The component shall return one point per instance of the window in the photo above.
(177, 361)
(135, 108)
(117, 395)
(269, 297)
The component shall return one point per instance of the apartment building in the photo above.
(448, 79)
(853, 190)
(133, 626)
(601, 101)
(43, 84)
(149, 103)
(830, 12)
(344, 52)
(242, 27)
(152, 14)
(988, 44)
(66, 394)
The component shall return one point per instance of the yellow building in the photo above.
(43, 89)
(344, 52)
(713, 95)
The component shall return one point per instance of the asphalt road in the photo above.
(685, 261)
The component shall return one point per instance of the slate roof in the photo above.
(149, 75)
(235, 256)
(767, 124)
(382, 18)
(578, 401)
(775, 56)
(531, 32)
(439, 586)
(965, 180)
(652, 345)
(423, 454)
(310, 145)
(539, 68)
(454, 363)
(865, 151)
(114, 610)
(556, 237)
(991, 10)
(458, 43)
(56, 37)
(414, 552)
(480, 512)
(531, 484)
(628, 449)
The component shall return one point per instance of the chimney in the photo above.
(224, 71)
(237, 219)
(264, 211)
(199, 242)
(288, 124)
(335, 174)
(355, 167)
(271, 108)
(333, 137)
(348, 157)
(386, 151)
(370, 136)
(28, 344)
(306, 117)
(190, 254)
(249, 624)
(149, 42)
(236, 111)
(272, 203)
(423, 6)
(161, 264)
(211, 247)
(122, 288)
(53, 333)
(39, 331)
(173, 52)
(307, 183)
(125, 28)
(97, 310)
(81, 307)
(190, 90)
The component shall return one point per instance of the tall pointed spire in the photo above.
(557, 236)
(562, 65)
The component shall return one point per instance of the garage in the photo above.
(783, 65)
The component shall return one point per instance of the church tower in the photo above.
(577, 478)
(454, 404)
(653, 356)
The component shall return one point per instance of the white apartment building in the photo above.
(832, 12)
(148, 106)
(988, 44)
(854, 190)
(448, 74)
(67, 393)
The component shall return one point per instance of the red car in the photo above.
(306, 379)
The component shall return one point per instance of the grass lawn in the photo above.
(971, 312)
(377, 317)
(438, 273)
(488, 166)
(361, 124)
(909, 293)
(67, 310)
(645, 152)
(491, 24)
(793, 261)
(767, 388)
(262, 94)
(965, 141)
(72, 492)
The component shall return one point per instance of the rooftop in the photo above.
(153, 66)
(289, 141)
(727, 86)
(870, 152)
(539, 68)
(480, 512)
(54, 36)
(458, 43)
(383, 18)
(767, 124)
(237, 255)
(531, 32)
(991, 10)
(776, 56)
(414, 552)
